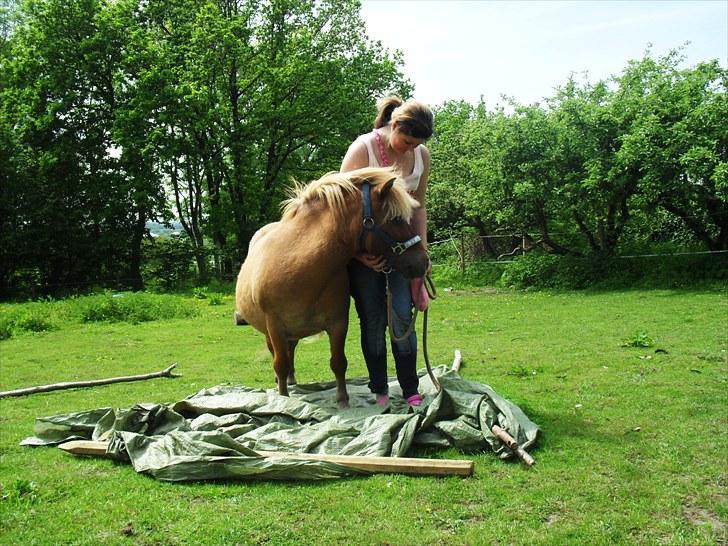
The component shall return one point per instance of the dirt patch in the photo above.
(700, 516)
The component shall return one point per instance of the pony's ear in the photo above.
(384, 188)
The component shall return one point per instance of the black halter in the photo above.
(397, 247)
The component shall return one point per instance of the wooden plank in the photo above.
(85, 447)
(385, 465)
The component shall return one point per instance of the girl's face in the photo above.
(402, 142)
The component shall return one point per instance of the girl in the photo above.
(400, 131)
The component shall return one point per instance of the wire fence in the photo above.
(468, 248)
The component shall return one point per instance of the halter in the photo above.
(397, 247)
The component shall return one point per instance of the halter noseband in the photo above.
(397, 247)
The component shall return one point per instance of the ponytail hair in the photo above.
(384, 110)
(413, 118)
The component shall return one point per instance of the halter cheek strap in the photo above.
(369, 226)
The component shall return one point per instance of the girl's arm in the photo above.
(419, 219)
(356, 157)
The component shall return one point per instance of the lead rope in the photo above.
(432, 293)
(429, 286)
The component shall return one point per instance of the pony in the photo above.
(294, 282)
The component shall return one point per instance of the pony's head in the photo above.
(387, 215)
(391, 211)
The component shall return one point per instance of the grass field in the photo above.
(629, 388)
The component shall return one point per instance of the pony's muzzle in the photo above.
(412, 265)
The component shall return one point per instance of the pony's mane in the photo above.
(333, 188)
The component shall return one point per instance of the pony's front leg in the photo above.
(278, 345)
(337, 340)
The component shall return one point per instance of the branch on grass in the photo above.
(511, 443)
(167, 372)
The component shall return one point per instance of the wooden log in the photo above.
(382, 465)
(167, 372)
(511, 443)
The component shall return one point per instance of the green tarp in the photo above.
(214, 434)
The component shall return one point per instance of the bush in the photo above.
(530, 270)
(449, 274)
(541, 270)
(133, 307)
(598, 271)
(168, 262)
(30, 317)
(6, 329)
(32, 322)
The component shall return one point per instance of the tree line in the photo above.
(114, 113)
(117, 112)
(632, 162)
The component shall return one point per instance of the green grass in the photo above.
(633, 447)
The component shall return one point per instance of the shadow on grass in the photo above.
(560, 430)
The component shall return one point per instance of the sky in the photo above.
(455, 49)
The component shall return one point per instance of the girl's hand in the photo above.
(377, 263)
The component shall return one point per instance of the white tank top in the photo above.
(412, 180)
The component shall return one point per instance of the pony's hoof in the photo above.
(343, 404)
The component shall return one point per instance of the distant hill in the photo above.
(156, 229)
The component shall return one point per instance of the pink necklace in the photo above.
(382, 153)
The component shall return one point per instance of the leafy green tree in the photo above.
(595, 190)
(243, 95)
(80, 211)
(675, 141)
(498, 173)
(596, 165)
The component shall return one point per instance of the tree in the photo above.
(571, 176)
(79, 215)
(675, 139)
(246, 94)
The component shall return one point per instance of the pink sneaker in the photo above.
(415, 400)
(383, 399)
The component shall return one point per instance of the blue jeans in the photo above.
(368, 288)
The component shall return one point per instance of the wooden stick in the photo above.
(511, 443)
(167, 372)
(382, 465)
(457, 361)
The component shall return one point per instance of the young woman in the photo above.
(400, 131)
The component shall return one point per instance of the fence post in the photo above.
(462, 253)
